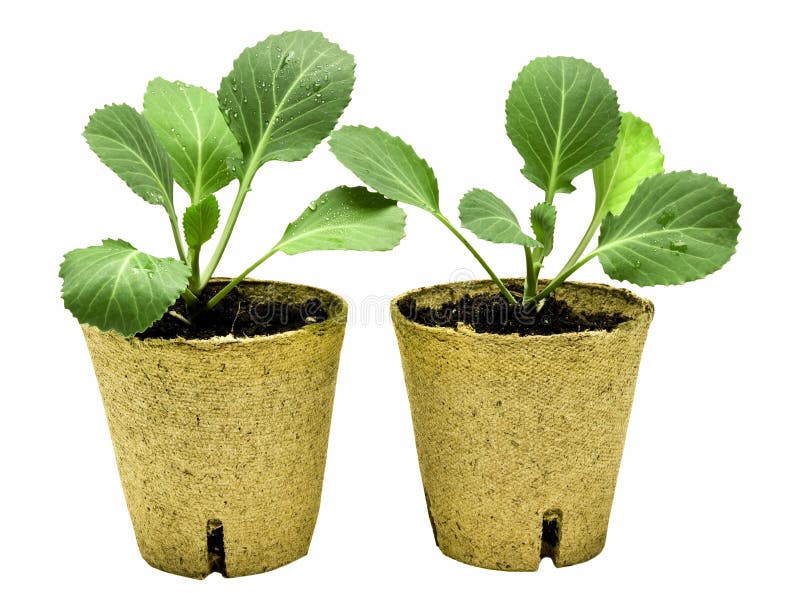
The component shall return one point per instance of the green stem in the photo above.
(574, 262)
(233, 283)
(503, 290)
(585, 240)
(176, 233)
(550, 193)
(563, 275)
(189, 297)
(531, 276)
(244, 188)
(194, 264)
(538, 259)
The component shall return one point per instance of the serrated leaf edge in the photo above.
(569, 188)
(532, 242)
(226, 117)
(169, 193)
(598, 251)
(349, 187)
(109, 329)
(399, 139)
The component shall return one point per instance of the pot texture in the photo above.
(520, 438)
(221, 443)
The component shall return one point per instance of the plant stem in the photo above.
(585, 240)
(233, 283)
(537, 257)
(244, 188)
(194, 263)
(503, 290)
(563, 275)
(573, 262)
(550, 194)
(176, 233)
(530, 276)
(189, 297)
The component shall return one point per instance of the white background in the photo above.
(707, 498)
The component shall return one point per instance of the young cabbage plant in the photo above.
(282, 98)
(563, 118)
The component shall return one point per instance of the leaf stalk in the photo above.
(500, 285)
(244, 188)
(563, 275)
(176, 233)
(235, 282)
(584, 243)
(530, 275)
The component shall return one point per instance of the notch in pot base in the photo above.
(215, 543)
(551, 534)
(494, 548)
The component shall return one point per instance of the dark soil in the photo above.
(236, 315)
(492, 313)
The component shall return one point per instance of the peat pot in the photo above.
(520, 438)
(221, 443)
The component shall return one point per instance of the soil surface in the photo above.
(236, 315)
(492, 313)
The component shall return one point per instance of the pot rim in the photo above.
(338, 316)
(645, 313)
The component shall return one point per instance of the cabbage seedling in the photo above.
(282, 98)
(563, 118)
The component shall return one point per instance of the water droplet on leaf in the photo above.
(678, 246)
(666, 217)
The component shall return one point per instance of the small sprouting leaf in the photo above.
(636, 156)
(543, 223)
(351, 218)
(677, 227)
(285, 95)
(189, 123)
(387, 164)
(200, 221)
(114, 286)
(562, 116)
(127, 144)
(491, 219)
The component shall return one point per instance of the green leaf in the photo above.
(543, 222)
(677, 227)
(491, 219)
(636, 156)
(346, 218)
(114, 286)
(189, 123)
(285, 95)
(562, 116)
(387, 164)
(200, 221)
(127, 144)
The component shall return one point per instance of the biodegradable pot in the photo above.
(221, 443)
(520, 438)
